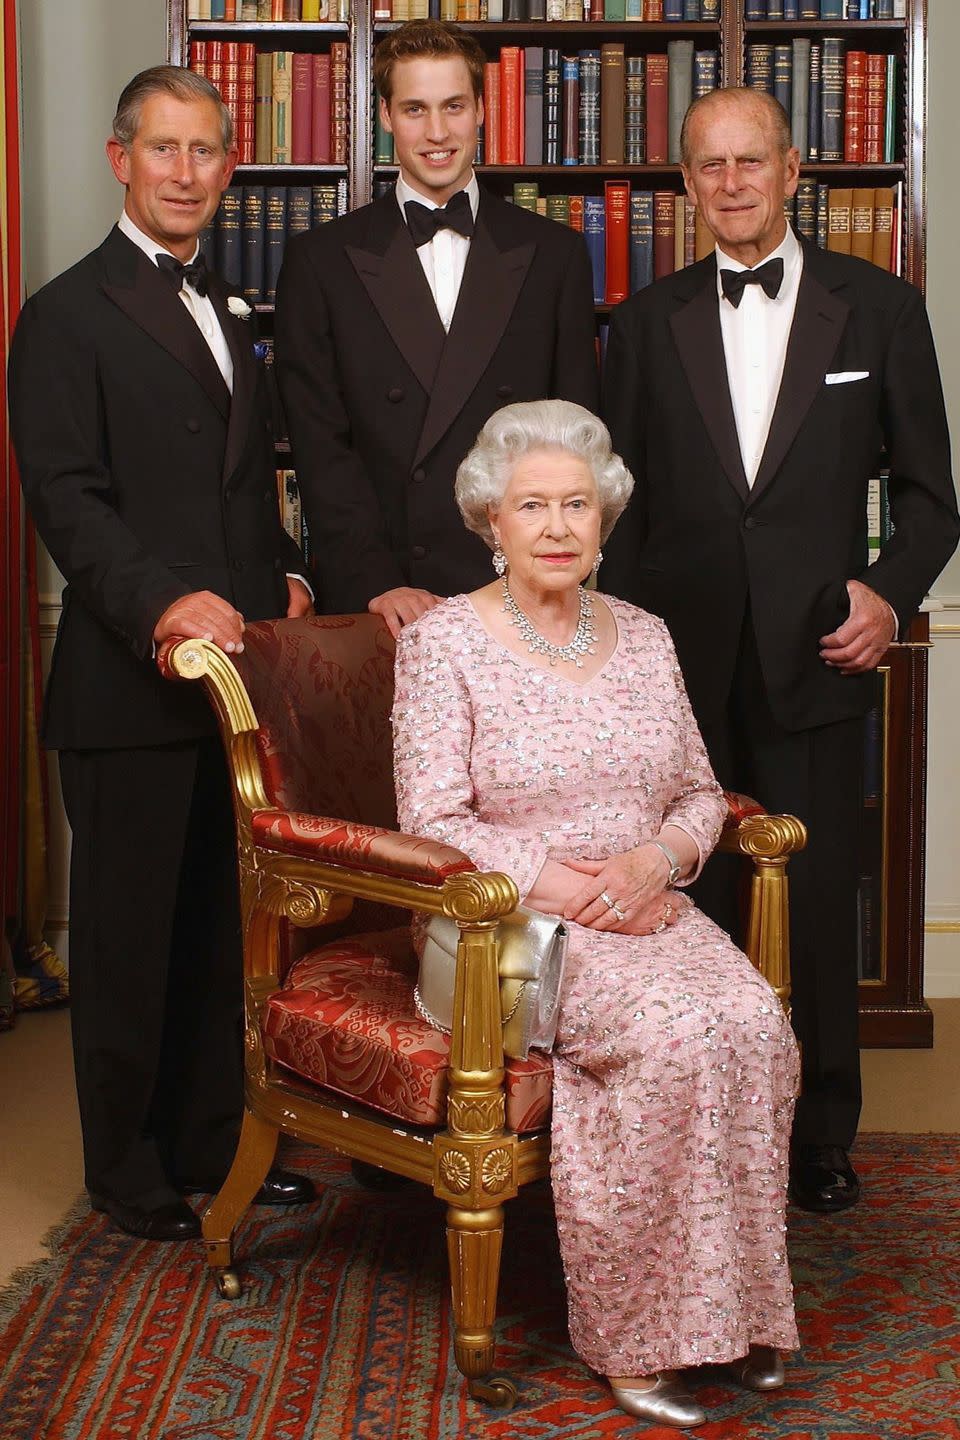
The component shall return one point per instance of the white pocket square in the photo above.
(844, 377)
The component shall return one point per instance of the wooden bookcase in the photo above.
(892, 1009)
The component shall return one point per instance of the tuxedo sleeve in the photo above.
(353, 558)
(923, 504)
(575, 373)
(625, 414)
(61, 448)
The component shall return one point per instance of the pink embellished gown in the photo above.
(674, 1069)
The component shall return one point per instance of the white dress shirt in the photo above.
(199, 306)
(755, 336)
(444, 258)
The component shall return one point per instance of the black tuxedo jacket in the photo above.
(146, 482)
(383, 404)
(696, 545)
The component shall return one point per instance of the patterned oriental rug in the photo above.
(342, 1331)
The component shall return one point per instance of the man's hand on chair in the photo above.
(202, 616)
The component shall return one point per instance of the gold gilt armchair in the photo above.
(336, 1053)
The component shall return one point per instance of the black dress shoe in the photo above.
(822, 1178)
(281, 1187)
(171, 1220)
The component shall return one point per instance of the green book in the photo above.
(383, 142)
(890, 119)
(614, 10)
(558, 208)
(526, 193)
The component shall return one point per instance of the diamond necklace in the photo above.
(584, 638)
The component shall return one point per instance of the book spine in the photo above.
(759, 74)
(215, 64)
(291, 11)
(679, 92)
(589, 112)
(247, 103)
(831, 9)
(612, 100)
(320, 126)
(854, 109)
(679, 226)
(536, 10)
(657, 130)
(558, 209)
(641, 240)
(883, 227)
(823, 213)
(875, 110)
(254, 230)
(791, 9)
(229, 247)
(838, 219)
(673, 11)
(263, 114)
(833, 71)
(575, 213)
(323, 204)
(653, 10)
(775, 11)
(276, 236)
(339, 101)
(301, 109)
(710, 11)
(551, 106)
(299, 209)
(704, 72)
(613, 10)
(570, 143)
(634, 121)
(755, 10)
(809, 9)
(862, 224)
(691, 10)
(230, 83)
(282, 76)
(526, 193)
(890, 123)
(533, 105)
(217, 10)
(491, 112)
(800, 112)
(806, 209)
(815, 104)
(783, 76)
(616, 195)
(197, 61)
(663, 228)
(704, 241)
(510, 103)
(594, 233)
(689, 231)
(885, 10)
(311, 11)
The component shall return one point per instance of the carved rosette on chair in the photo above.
(336, 1053)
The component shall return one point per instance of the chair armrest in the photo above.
(749, 830)
(369, 848)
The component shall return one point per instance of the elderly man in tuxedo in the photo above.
(403, 326)
(141, 430)
(750, 396)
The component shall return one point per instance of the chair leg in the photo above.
(255, 1152)
(474, 1243)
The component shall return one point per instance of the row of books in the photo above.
(246, 239)
(514, 11)
(862, 221)
(288, 107)
(288, 12)
(842, 103)
(825, 9)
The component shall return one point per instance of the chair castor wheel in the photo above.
(498, 1392)
(228, 1285)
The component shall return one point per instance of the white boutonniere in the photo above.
(239, 307)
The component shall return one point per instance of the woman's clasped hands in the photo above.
(627, 893)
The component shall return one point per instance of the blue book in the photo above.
(595, 235)
(217, 10)
(229, 245)
(570, 109)
(691, 10)
(641, 239)
(814, 103)
(831, 9)
(673, 10)
(774, 9)
(589, 118)
(791, 9)
(755, 10)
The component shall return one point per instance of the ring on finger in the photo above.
(667, 912)
(612, 905)
(659, 929)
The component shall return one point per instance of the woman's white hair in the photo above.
(515, 431)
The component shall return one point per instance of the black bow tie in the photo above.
(176, 272)
(770, 276)
(423, 223)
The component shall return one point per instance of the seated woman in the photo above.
(546, 732)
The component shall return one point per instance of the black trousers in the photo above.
(155, 966)
(817, 776)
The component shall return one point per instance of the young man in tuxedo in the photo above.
(401, 327)
(750, 395)
(145, 451)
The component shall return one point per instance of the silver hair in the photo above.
(760, 100)
(516, 431)
(166, 80)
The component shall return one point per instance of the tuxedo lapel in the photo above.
(699, 340)
(393, 277)
(141, 292)
(818, 324)
(239, 338)
(492, 280)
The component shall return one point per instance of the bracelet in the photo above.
(676, 869)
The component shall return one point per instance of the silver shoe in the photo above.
(668, 1402)
(762, 1369)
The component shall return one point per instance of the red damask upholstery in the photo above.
(345, 1019)
(359, 847)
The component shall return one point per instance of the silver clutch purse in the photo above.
(531, 951)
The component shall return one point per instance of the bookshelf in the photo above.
(892, 1010)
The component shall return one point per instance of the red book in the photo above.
(198, 57)
(246, 131)
(276, 10)
(663, 233)
(616, 199)
(596, 11)
(339, 102)
(657, 72)
(320, 111)
(491, 113)
(215, 63)
(576, 213)
(522, 106)
(291, 10)
(230, 82)
(854, 106)
(511, 103)
(653, 9)
(875, 110)
(229, 9)
(301, 103)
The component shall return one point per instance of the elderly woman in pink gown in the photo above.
(545, 731)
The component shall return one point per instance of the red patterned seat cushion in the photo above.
(345, 1019)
